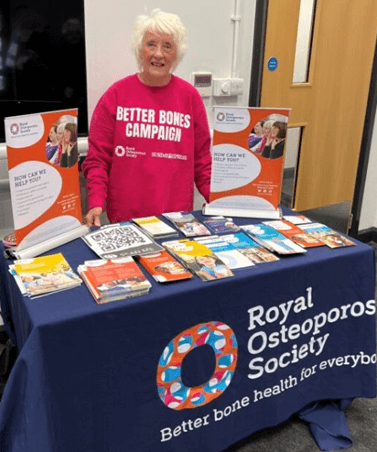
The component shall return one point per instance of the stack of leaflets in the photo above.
(199, 259)
(155, 227)
(44, 275)
(225, 250)
(295, 233)
(272, 239)
(255, 252)
(164, 267)
(111, 280)
(221, 224)
(187, 224)
(120, 240)
(327, 235)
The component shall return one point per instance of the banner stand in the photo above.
(43, 247)
(247, 162)
(42, 156)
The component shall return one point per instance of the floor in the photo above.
(335, 216)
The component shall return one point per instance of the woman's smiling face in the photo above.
(158, 55)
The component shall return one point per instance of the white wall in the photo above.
(210, 38)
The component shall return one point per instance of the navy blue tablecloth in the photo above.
(88, 377)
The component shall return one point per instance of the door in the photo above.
(329, 105)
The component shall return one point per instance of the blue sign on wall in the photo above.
(272, 64)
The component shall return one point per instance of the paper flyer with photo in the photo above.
(225, 250)
(199, 259)
(327, 235)
(42, 159)
(247, 161)
(272, 239)
(253, 250)
(164, 267)
(295, 233)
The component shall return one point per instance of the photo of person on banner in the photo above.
(266, 129)
(66, 138)
(149, 138)
(256, 136)
(52, 142)
(69, 152)
(275, 140)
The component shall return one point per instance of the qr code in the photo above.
(118, 238)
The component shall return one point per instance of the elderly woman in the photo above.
(55, 159)
(149, 138)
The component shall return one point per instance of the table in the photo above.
(297, 331)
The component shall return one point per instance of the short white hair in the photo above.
(160, 22)
(268, 123)
(61, 127)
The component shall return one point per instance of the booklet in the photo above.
(44, 275)
(225, 250)
(164, 267)
(111, 280)
(120, 240)
(327, 235)
(187, 223)
(221, 224)
(297, 219)
(295, 233)
(155, 227)
(272, 239)
(199, 259)
(250, 248)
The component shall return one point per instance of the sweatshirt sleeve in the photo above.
(203, 158)
(97, 164)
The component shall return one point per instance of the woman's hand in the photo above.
(275, 141)
(93, 217)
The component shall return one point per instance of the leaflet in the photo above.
(255, 252)
(199, 259)
(272, 239)
(295, 233)
(327, 235)
(231, 256)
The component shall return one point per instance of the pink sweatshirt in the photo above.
(147, 146)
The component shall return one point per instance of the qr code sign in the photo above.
(118, 238)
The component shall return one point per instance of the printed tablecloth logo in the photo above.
(173, 393)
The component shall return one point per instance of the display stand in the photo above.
(44, 184)
(247, 162)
